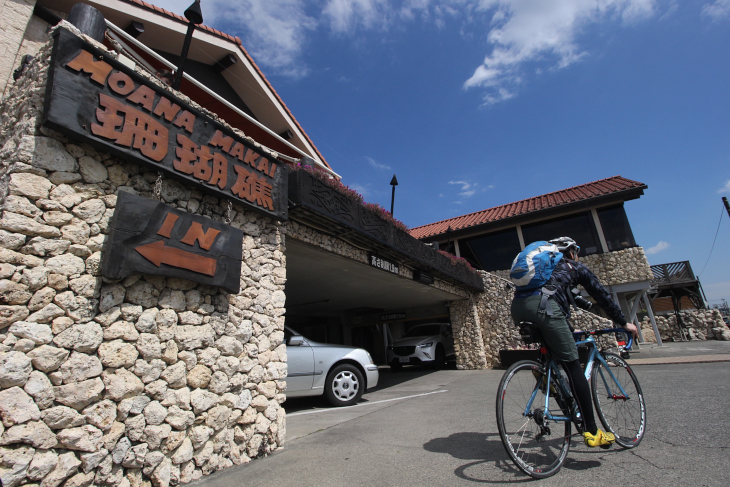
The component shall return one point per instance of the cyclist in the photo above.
(549, 309)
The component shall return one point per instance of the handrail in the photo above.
(147, 50)
(674, 272)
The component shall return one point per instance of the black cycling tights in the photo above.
(582, 392)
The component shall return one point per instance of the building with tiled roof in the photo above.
(217, 63)
(592, 213)
(560, 200)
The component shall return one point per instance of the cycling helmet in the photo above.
(565, 244)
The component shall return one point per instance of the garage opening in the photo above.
(333, 299)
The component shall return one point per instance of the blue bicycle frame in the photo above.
(590, 362)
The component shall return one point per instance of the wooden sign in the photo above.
(150, 237)
(95, 99)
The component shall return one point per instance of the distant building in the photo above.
(592, 214)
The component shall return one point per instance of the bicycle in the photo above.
(534, 398)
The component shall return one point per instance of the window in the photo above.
(491, 252)
(579, 227)
(616, 228)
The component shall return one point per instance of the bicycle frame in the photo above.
(593, 355)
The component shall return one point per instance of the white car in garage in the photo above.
(339, 372)
(427, 344)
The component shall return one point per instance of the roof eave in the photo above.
(545, 213)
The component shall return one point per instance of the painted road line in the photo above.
(365, 404)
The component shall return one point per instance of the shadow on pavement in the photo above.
(387, 378)
(485, 450)
(390, 378)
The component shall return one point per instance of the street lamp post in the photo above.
(394, 183)
(195, 17)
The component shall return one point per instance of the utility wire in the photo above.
(713, 243)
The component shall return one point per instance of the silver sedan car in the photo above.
(339, 372)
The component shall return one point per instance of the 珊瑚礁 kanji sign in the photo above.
(150, 237)
(94, 98)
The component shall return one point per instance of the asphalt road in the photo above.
(438, 428)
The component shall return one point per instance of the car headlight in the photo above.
(425, 345)
(370, 357)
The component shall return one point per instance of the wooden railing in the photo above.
(674, 273)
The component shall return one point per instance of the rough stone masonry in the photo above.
(144, 381)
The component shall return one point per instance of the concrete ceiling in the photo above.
(320, 283)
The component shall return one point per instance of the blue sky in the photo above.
(478, 103)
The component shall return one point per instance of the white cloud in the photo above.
(525, 38)
(526, 31)
(657, 248)
(718, 10)
(467, 189)
(346, 15)
(273, 31)
(377, 165)
(726, 188)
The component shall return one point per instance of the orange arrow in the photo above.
(158, 253)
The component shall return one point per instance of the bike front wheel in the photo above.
(623, 412)
(537, 445)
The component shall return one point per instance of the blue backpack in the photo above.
(533, 267)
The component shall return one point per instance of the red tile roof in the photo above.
(602, 187)
(237, 42)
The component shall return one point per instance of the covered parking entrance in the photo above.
(333, 299)
(357, 279)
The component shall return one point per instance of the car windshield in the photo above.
(423, 331)
(288, 332)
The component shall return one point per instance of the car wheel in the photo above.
(440, 359)
(344, 385)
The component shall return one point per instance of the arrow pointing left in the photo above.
(158, 254)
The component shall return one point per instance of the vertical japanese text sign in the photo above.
(150, 237)
(93, 98)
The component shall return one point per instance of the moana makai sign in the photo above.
(96, 99)
(150, 237)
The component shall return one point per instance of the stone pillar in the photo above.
(16, 14)
(468, 341)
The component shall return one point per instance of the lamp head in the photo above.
(194, 14)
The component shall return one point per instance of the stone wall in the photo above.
(148, 380)
(622, 266)
(702, 324)
(494, 326)
(490, 313)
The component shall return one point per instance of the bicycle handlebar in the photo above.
(578, 334)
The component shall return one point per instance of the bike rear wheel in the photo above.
(536, 445)
(624, 416)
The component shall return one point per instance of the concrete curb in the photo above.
(693, 359)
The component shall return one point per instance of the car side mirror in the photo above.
(295, 340)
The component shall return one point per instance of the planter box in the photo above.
(508, 357)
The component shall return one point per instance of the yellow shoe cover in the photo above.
(601, 438)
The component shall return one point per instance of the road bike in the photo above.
(535, 408)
